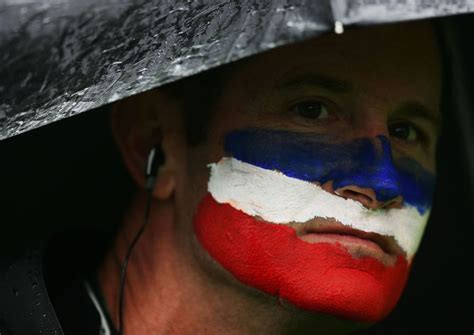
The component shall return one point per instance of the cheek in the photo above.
(319, 277)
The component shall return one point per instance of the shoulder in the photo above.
(42, 290)
(25, 305)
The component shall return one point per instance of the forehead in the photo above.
(401, 60)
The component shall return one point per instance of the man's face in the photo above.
(315, 182)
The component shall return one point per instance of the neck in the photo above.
(167, 291)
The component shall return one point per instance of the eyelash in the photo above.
(315, 101)
(422, 138)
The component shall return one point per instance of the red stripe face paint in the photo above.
(318, 277)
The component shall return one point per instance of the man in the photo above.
(298, 206)
(287, 192)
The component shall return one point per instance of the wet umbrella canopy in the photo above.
(62, 58)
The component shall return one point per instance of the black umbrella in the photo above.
(62, 58)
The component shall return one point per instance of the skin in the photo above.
(173, 285)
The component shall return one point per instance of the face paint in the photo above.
(269, 177)
(363, 162)
(276, 198)
(318, 277)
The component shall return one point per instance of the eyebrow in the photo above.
(418, 110)
(318, 80)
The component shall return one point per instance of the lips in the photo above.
(329, 230)
(360, 245)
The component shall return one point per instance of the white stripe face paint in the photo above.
(280, 199)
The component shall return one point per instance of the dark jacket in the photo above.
(52, 289)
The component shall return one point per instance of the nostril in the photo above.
(394, 203)
(368, 198)
(365, 196)
(364, 199)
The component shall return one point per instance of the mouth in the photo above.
(358, 243)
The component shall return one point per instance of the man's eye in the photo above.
(404, 131)
(312, 109)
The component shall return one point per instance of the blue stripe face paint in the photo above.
(365, 162)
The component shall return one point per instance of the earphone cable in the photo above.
(127, 257)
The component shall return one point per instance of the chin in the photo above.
(316, 277)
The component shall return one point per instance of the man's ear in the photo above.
(139, 124)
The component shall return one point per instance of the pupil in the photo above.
(401, 131)
(309, 110)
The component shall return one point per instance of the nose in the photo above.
(367, 197)
(371, 176)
